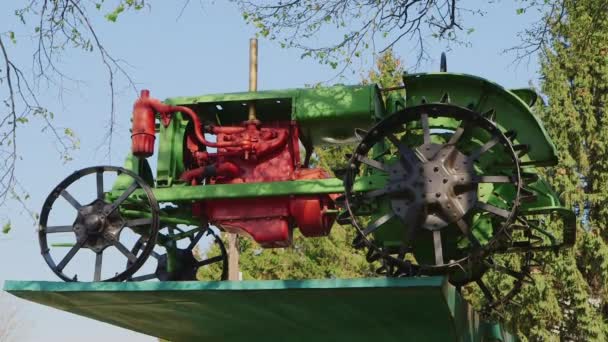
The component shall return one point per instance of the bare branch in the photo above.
(60, 25)
(362, 23)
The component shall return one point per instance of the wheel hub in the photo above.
(187, 266)
(97, 229)
(439, 186)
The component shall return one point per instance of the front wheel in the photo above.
(97, 226)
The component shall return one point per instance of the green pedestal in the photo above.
(378, 309)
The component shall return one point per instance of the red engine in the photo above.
(252, 153)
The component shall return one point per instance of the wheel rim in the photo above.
(188, 265)
(421, 181)
(99, 224)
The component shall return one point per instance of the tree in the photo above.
(361, 25)
(575, 72)
(377, 26)
(325, 257)
(57, 27)
(569, 301)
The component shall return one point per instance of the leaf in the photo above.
(11, 35)
(520, 11)
(69, 132)
(6, 227)
(113, 16)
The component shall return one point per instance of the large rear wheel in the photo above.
(453, 182)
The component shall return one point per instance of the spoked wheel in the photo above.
(502, 279)
(99, 224)
(453, 182)
(186, 264)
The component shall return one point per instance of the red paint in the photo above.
(252, 153)
(142, 132)
(269, 220)
(144, 111)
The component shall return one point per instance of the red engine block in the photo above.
(251, 153)
(275, 157)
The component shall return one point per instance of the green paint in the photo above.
(171, 146)
(377, 309)
(185, 193)
(330, 114)
(511, 111)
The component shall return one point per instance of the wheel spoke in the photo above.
(373, 163)
(123, 197)
(438, 247)
(196, 239)
(456, 136)
(493, 210)
(138, 222)
(69, 256)
(124, 250)
(466, 231)
(424, 121)
(155, 255)
(493, 179)
(397, 187)
(486, 291)
(376, 193)
(406, 153)
(508, 271)
(68, 197)
(209, 261)
(483, 149)
(98, 262)
(144, 277)
(100, 193)
(58, 229)
(376, 224)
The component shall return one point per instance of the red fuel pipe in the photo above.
(144, 121)
(226, 129)
(224, 169)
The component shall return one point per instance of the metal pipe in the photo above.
(253, 74)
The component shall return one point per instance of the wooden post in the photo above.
(233, 257)
(253, 74)
(233, 239)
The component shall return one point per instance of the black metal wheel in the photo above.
(436, 190)
(502, 279)
(187, 262)
(99, 224)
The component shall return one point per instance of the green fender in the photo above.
(511, 109)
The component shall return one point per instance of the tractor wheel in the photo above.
(186, 263)
(98, 226)
(453, 184)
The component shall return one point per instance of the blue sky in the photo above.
(205, 51)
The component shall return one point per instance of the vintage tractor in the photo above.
(442, 181)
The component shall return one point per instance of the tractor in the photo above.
(444, 179)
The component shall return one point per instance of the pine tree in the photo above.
(569, 301)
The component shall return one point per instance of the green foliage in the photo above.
(6, 228)
(569, 301)
(121, 7)
(388, 72)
